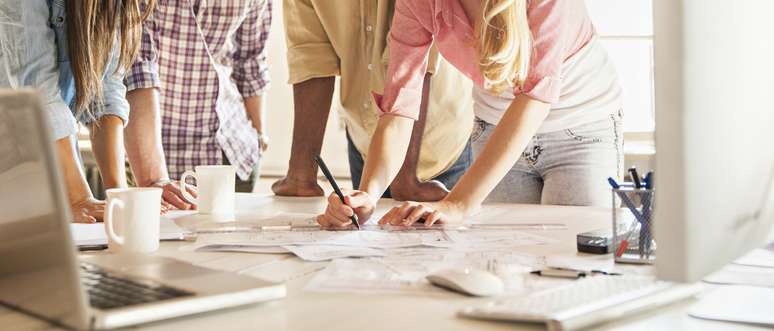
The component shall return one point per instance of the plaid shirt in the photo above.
(204, 57)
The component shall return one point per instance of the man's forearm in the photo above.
(106, 136)
(408, 172)
(312, 104)
(143, 137)
(254, 106)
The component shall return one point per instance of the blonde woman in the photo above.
(547, 105)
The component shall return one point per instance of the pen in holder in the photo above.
(633, 240)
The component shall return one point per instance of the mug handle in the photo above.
(183, 190)
(111, 231)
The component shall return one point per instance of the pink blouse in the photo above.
(560, 28)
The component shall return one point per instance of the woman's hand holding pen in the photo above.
(337, 215)
(444, 212)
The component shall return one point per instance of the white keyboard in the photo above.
(585, 302)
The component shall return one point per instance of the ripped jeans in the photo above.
(568, 167)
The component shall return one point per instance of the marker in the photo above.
(336, 188)
(613, 183)
(635, 177)
(649, 180)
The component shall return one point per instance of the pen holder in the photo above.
(633, 240)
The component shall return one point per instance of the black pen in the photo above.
(635, 177)
(336, 188)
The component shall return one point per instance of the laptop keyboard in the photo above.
(109, 290)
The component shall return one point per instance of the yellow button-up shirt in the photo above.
(348, 38)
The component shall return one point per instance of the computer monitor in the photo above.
(714, 83)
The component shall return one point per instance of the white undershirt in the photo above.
(590, 92)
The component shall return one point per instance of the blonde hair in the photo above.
(505, 47)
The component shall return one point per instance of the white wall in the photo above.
(626, 29)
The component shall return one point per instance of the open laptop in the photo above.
(42, 275)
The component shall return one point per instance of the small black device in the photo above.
(595, 242)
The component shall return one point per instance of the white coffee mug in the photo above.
(215, 185)
(132, 219)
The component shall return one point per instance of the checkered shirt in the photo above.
(204, 57)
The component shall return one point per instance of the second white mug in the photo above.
(215, 185)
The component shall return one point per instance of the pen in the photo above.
(84, 248)
(628, 202)
(336, 188)
(635, 177)
(649, 180)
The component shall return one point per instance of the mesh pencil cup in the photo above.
(633, 240)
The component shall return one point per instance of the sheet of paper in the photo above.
(758, 258)
(403, 271)
(94, 233)
(367, 238)
(325, 252)
(496, 238)
(742, 275)
(236, 249)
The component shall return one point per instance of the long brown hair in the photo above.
(92, 28)
(505, 48)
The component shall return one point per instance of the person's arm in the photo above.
(410, 43)
(511, 136)
(142, 139)
(106, 125)
(251, 71)
(312, 67)
(106, 135)
(406, 185)
(312, 103)
(84, 208)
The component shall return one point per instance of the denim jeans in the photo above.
(448, 177)
(568, 167)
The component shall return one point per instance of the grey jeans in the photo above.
(568, 167)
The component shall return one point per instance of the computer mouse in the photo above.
(472, 282)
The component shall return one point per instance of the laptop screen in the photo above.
(38, 272)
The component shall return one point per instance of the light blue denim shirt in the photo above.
(33, 53)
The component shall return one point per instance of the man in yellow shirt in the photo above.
(348, 38)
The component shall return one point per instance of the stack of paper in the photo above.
(94, 233)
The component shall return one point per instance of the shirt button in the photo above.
(370, 67)
(369, 28)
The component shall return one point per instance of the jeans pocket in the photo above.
(603, 131)
(479, 127)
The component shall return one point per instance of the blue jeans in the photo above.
(450, 177)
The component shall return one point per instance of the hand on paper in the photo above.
(289, 187)
(411, 212)
(88, 210)
(414, 190)
(338, 214)
(172, 197)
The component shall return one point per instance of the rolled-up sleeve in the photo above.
(310, 52)
(114, 94)
(144, 73)
(28, 58)
(548, 23)
(410, 43)
(251, 70)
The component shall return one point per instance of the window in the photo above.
(626, 29)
